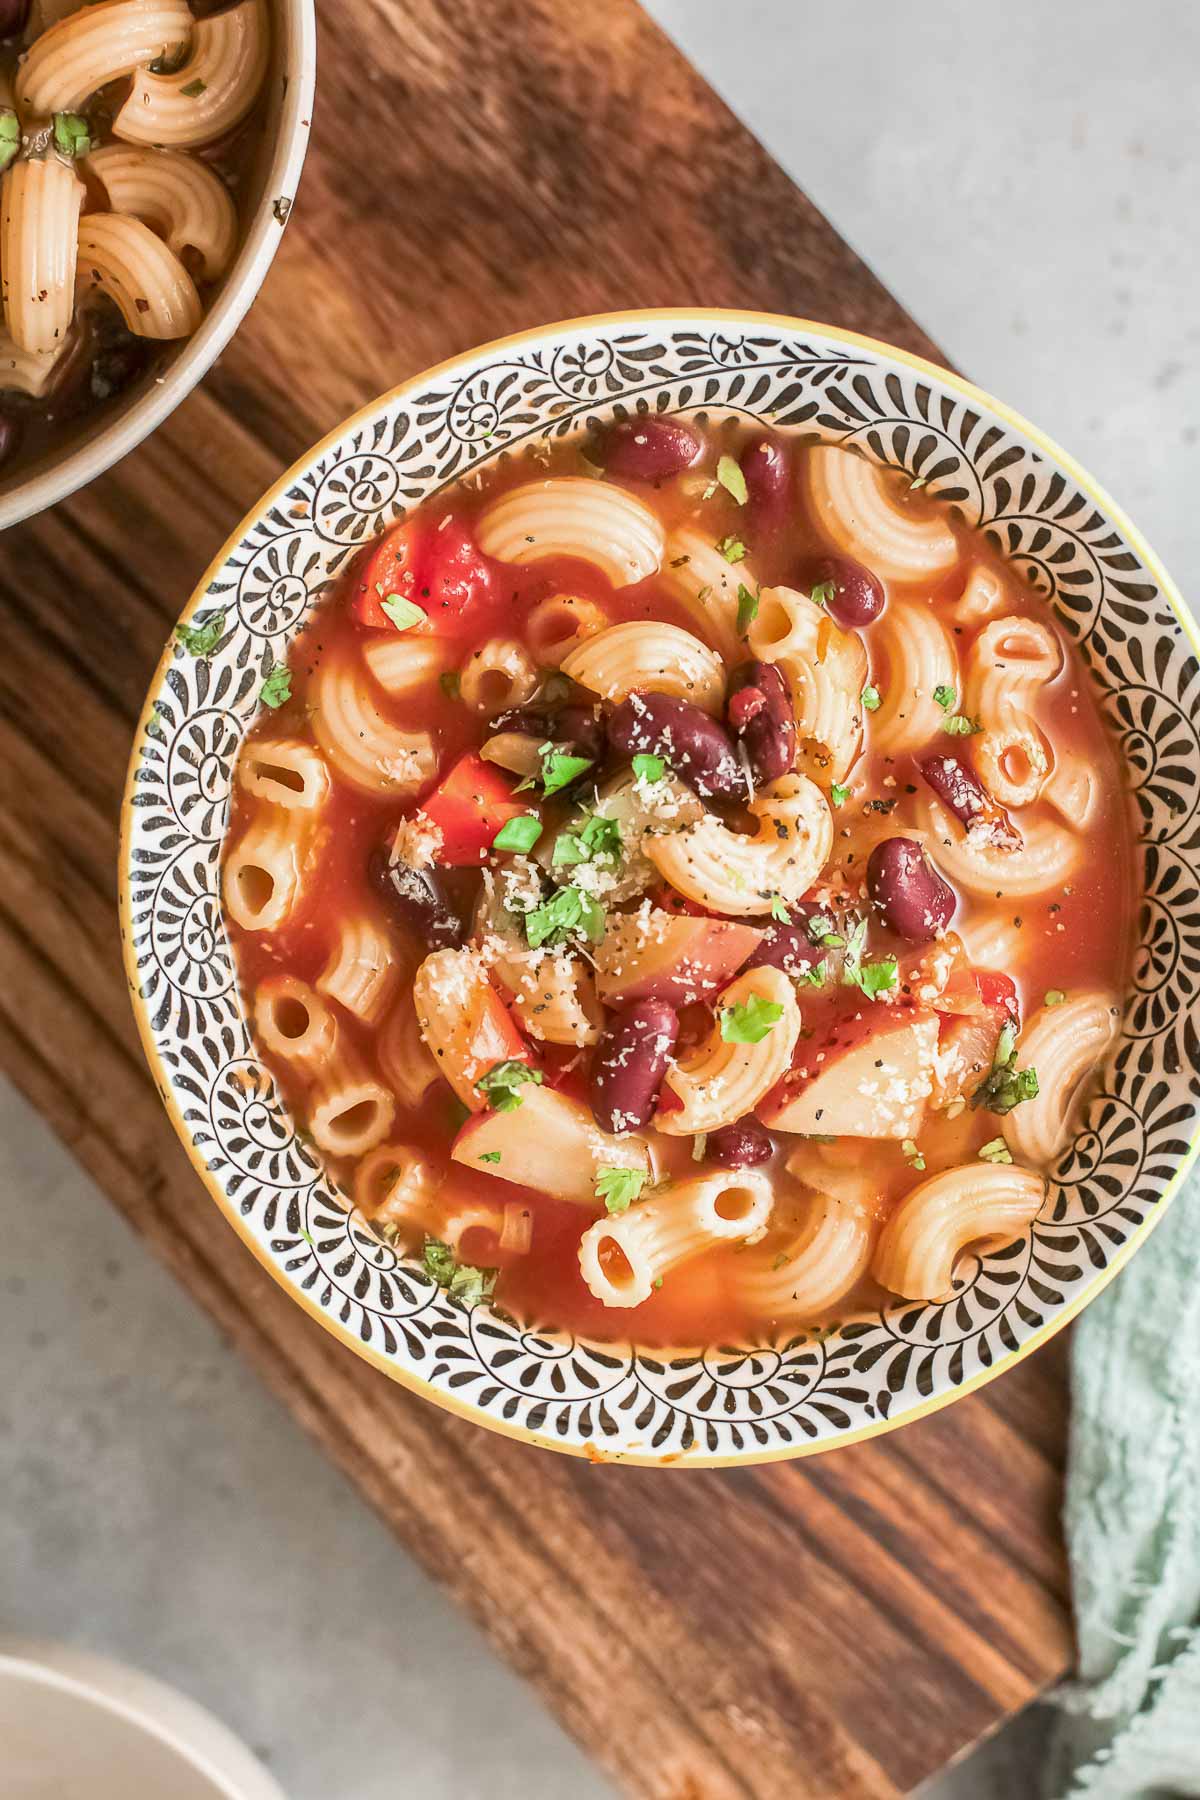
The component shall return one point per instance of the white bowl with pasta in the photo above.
(150, 152)
(845, 1284)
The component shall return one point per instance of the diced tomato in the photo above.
(495, 1037)
(997, 991)
(972, 1033)
(469, 806)
(396, 565)
(459, 576)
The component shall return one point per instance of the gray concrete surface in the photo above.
(1027, 179)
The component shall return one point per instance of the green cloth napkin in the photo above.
(1130, 1724)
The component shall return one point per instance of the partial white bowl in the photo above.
(72, 1723)
(272, 189)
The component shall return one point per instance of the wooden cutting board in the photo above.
(840, 1626)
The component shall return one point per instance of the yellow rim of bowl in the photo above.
(418, 1384)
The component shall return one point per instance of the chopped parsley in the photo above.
(403, 613)
(818, 975)
(201, 640)
(499, 1084)
(489, 1156)
(779, 909)
(71, 134)
(870, 698)
(594, 839)
(519, 834)
(657, 1282)
(460, 1280)
(565, 913)
(821, 929)
(1006, 1086)
(558, 770)
(912, 1154)
(749, 1021)
(732, 549)
(10, 136)
(277, 687)
(995, 1151)
(823, 593)
(732, 480)
(839, 793)
(1054, 996)
(618, 1187)
(450, 684)
(747, 610)
(194, 89)
(649, 768)
(958, 725)
(873, 978)
(946, 697)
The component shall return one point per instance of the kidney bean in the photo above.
(760, 712)
(858, 596)
(790, 947)
(907, 889)
(579, 726)
(694, 746)
(13, 14)
(959, 788)
(740, 1146)
(629, 1062)
(416, 900)
(768, 472)
(650, 449)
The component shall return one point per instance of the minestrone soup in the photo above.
(682, 885)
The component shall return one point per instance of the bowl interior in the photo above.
(92, 443)
(711, 1404)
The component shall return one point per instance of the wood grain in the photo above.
(840, 1626)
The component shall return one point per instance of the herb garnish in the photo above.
(912, 1154)
(870, 698)
(839, 793)
(519, 834)
(617, 1187)
(823, 593)
(1006, 1086)
(1055, 996)
(946, 697)
(10, 136)
(874, 978)
(649, 768)
(749, 1021)
(558, 770)
(779, 910)
(488, 1156)
(201, 640)
(732, 480)
(594, 839)
(460, 1280)
(277, 687)
(566, 912)
(732, 549)
(995, 1151)
(499, 1084)
(403, 613)
(71, 134)
(747, 610)
(958, 725)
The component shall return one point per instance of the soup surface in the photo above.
(682, 884)
(127, 128)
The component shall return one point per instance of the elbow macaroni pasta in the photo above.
(365, 748)
(985, 1204)
(121, 257)
(984, 595)
(1065, 1044)
(40, 202)
(402, 665)
(82, 53)
(1010, 660)
(294, 1024)
(796, 1281)
(854, 505)
(26, 371)
(559, 625)
(574, 515)
(267, 869)
(649, 656)
(706, 585)
(553, 995)
(396, 1185)
(286, 772)
(210, 92)
(719, 1082)
(1048, 858)
(1073, 790)
(497, 676)
(349, 1110)
(622, 1257)
(362, 973)
(919, 658)
(825, 668)
(177, 196)
(728, 873)
(405, 1060)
